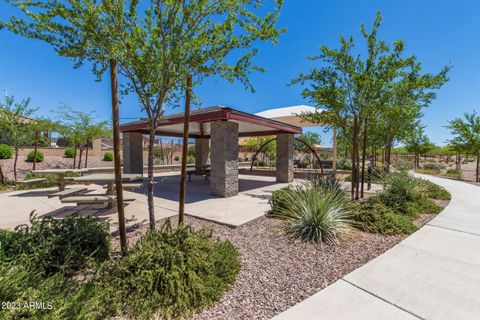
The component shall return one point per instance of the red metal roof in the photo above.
(200, 119)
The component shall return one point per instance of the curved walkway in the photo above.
(433, 274)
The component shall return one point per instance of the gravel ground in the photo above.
(276, 272)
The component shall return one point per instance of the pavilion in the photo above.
(216, 130)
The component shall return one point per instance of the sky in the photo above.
(438, 32)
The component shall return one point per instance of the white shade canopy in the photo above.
(290, 115)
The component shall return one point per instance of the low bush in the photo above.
(344, 164)
(6, 152)
(314, 214)
(432, 167)
(31, 156)
(172, 271)
(177, 158)
(52, 181)
(69, 153)
(454, 173)
(373, 216)
(190, 159)
(108, 156)
(425, 171)
(402, 188)
(54, 245)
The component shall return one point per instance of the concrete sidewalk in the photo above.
(433, 274)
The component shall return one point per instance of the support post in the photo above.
(284, 170)
(224, 158)
(132, 152)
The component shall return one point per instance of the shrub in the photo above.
(314, 214)
(31, 155)
(277, 202)
(402, 188)
(177, 158)
(373, 216)
(425, 171)
(344, 164)
(173, 271)
(432, 167)
(54, 245)
(158, 152)
(190, 159)
(454, 173)
(6, 152)
(69, 153)
(108, 156)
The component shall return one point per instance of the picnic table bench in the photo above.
(32, 181)
(68, 192)
(93, 199)
(199, 171)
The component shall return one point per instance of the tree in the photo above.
(14, 119)
(466, 136)
(80, 129)
(156, 45)
(39, 126)
(364, 97)
(419, 144)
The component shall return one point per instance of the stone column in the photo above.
(202, 149)
(285, 157)
(224, 158)
(97, 147)
(132, 152)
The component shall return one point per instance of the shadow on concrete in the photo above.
(34, 193)
(198, 189)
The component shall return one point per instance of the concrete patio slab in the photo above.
(251, 202)
(433, 274)
(343, 301)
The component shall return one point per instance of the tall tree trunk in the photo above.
(116, 157)
(86, 156)
(353, 159)
(477, 168)
(80, 157)
(35, 150)
(15, 159)
(183, 176)
(151, 182)
(364, 153)
(388, 153)
(357, 160)
(2, 177)
(334, 151)
(74, 156)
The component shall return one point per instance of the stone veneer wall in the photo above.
(285, 157)
(224, 158)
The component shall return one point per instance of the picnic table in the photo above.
(108, 178)
(61, 174)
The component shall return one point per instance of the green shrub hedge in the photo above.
(54, 245)
(174, 271)
(374, 216)
(69, 153)
(108, 156)
(31, 155)
(6, 152)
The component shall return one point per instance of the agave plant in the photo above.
(315, 214)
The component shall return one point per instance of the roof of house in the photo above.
(290, 115)
(200, 123)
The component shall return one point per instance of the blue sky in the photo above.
(438, 32)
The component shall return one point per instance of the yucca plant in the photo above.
(315, 214)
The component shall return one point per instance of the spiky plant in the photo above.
(316, 214)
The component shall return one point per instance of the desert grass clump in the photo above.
(316, 212)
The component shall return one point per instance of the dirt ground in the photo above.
(24, 166)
